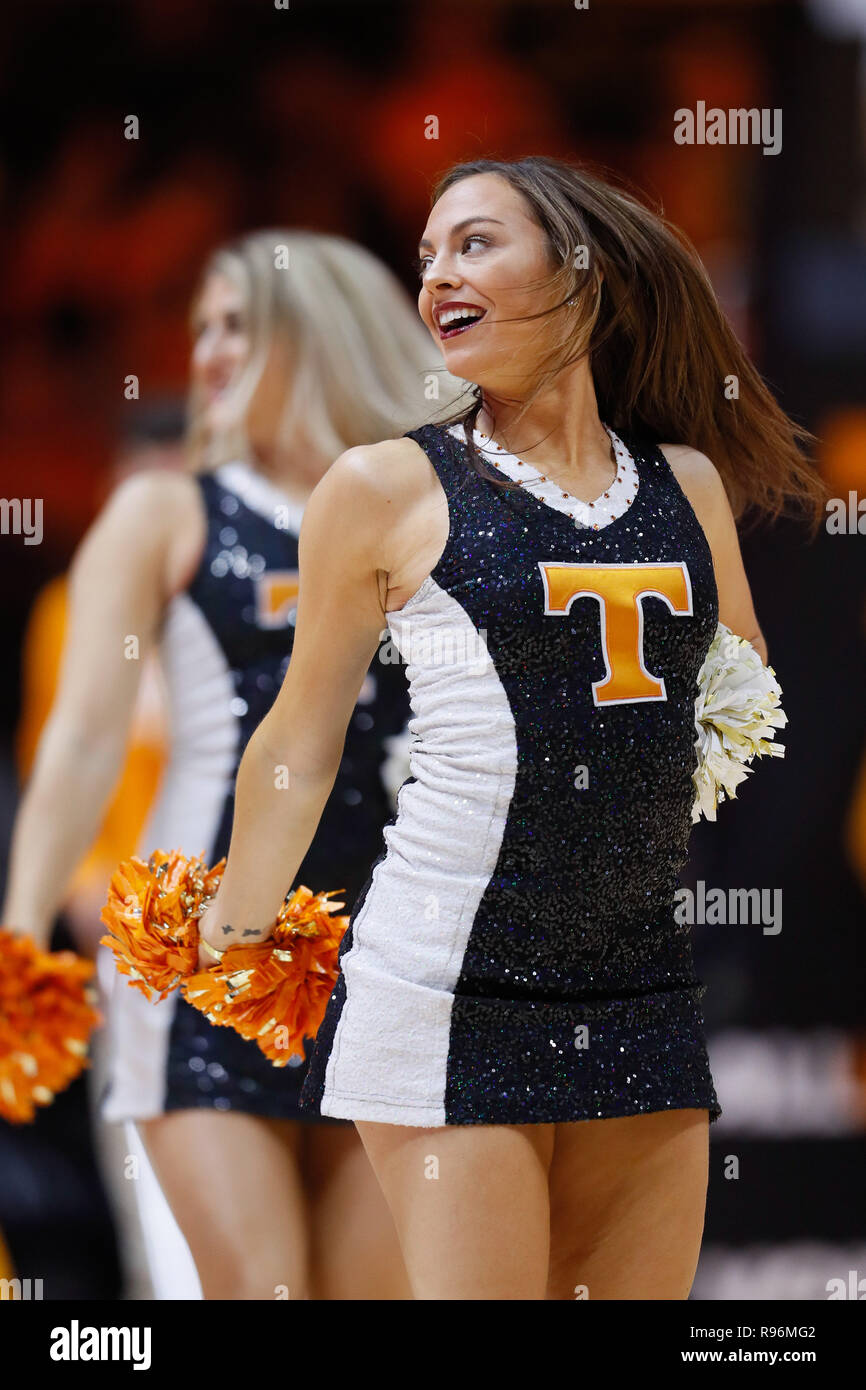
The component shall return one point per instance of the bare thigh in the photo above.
(627, 1203)
(234, 1185)
(354, 1251)
(470, 1203)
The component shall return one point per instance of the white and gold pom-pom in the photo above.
(737, 712)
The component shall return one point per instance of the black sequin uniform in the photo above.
(244, 598)
(574, 994)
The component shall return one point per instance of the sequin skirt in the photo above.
(541, 1062)
(165, 1056)
(599, 1033)
(518, 1062)
(215, 1068)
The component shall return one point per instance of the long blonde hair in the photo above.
(364, 367)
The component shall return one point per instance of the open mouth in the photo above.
(450, 322)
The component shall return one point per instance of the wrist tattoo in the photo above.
(229, 930)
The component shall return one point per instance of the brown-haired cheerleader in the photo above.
(516, 1028)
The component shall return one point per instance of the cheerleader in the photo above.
(516, 1028)
(303, 345)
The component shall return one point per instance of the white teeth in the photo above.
(450, 315)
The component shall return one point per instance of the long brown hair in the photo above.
(661, 350)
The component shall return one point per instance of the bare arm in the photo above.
(124, 571)
(702, 484)
(289, 766)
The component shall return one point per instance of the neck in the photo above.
(295, 473)
(561, 429)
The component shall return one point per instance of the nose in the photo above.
(208, 350)
(440, 274)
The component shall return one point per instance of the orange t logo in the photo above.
(619, 590)
(276, 595)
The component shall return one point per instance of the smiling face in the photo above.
(222, 348)
(481, 258)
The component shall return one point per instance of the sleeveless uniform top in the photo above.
(514, 956)
(224, 649)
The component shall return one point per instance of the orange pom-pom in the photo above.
(152, 915)
(275, 992)
(46, 1018)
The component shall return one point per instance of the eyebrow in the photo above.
(460, 226)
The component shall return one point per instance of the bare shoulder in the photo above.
(153, 521)
(691, 466)
(371, 491)
(701, 481)
(394, 470)
(160, 498)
